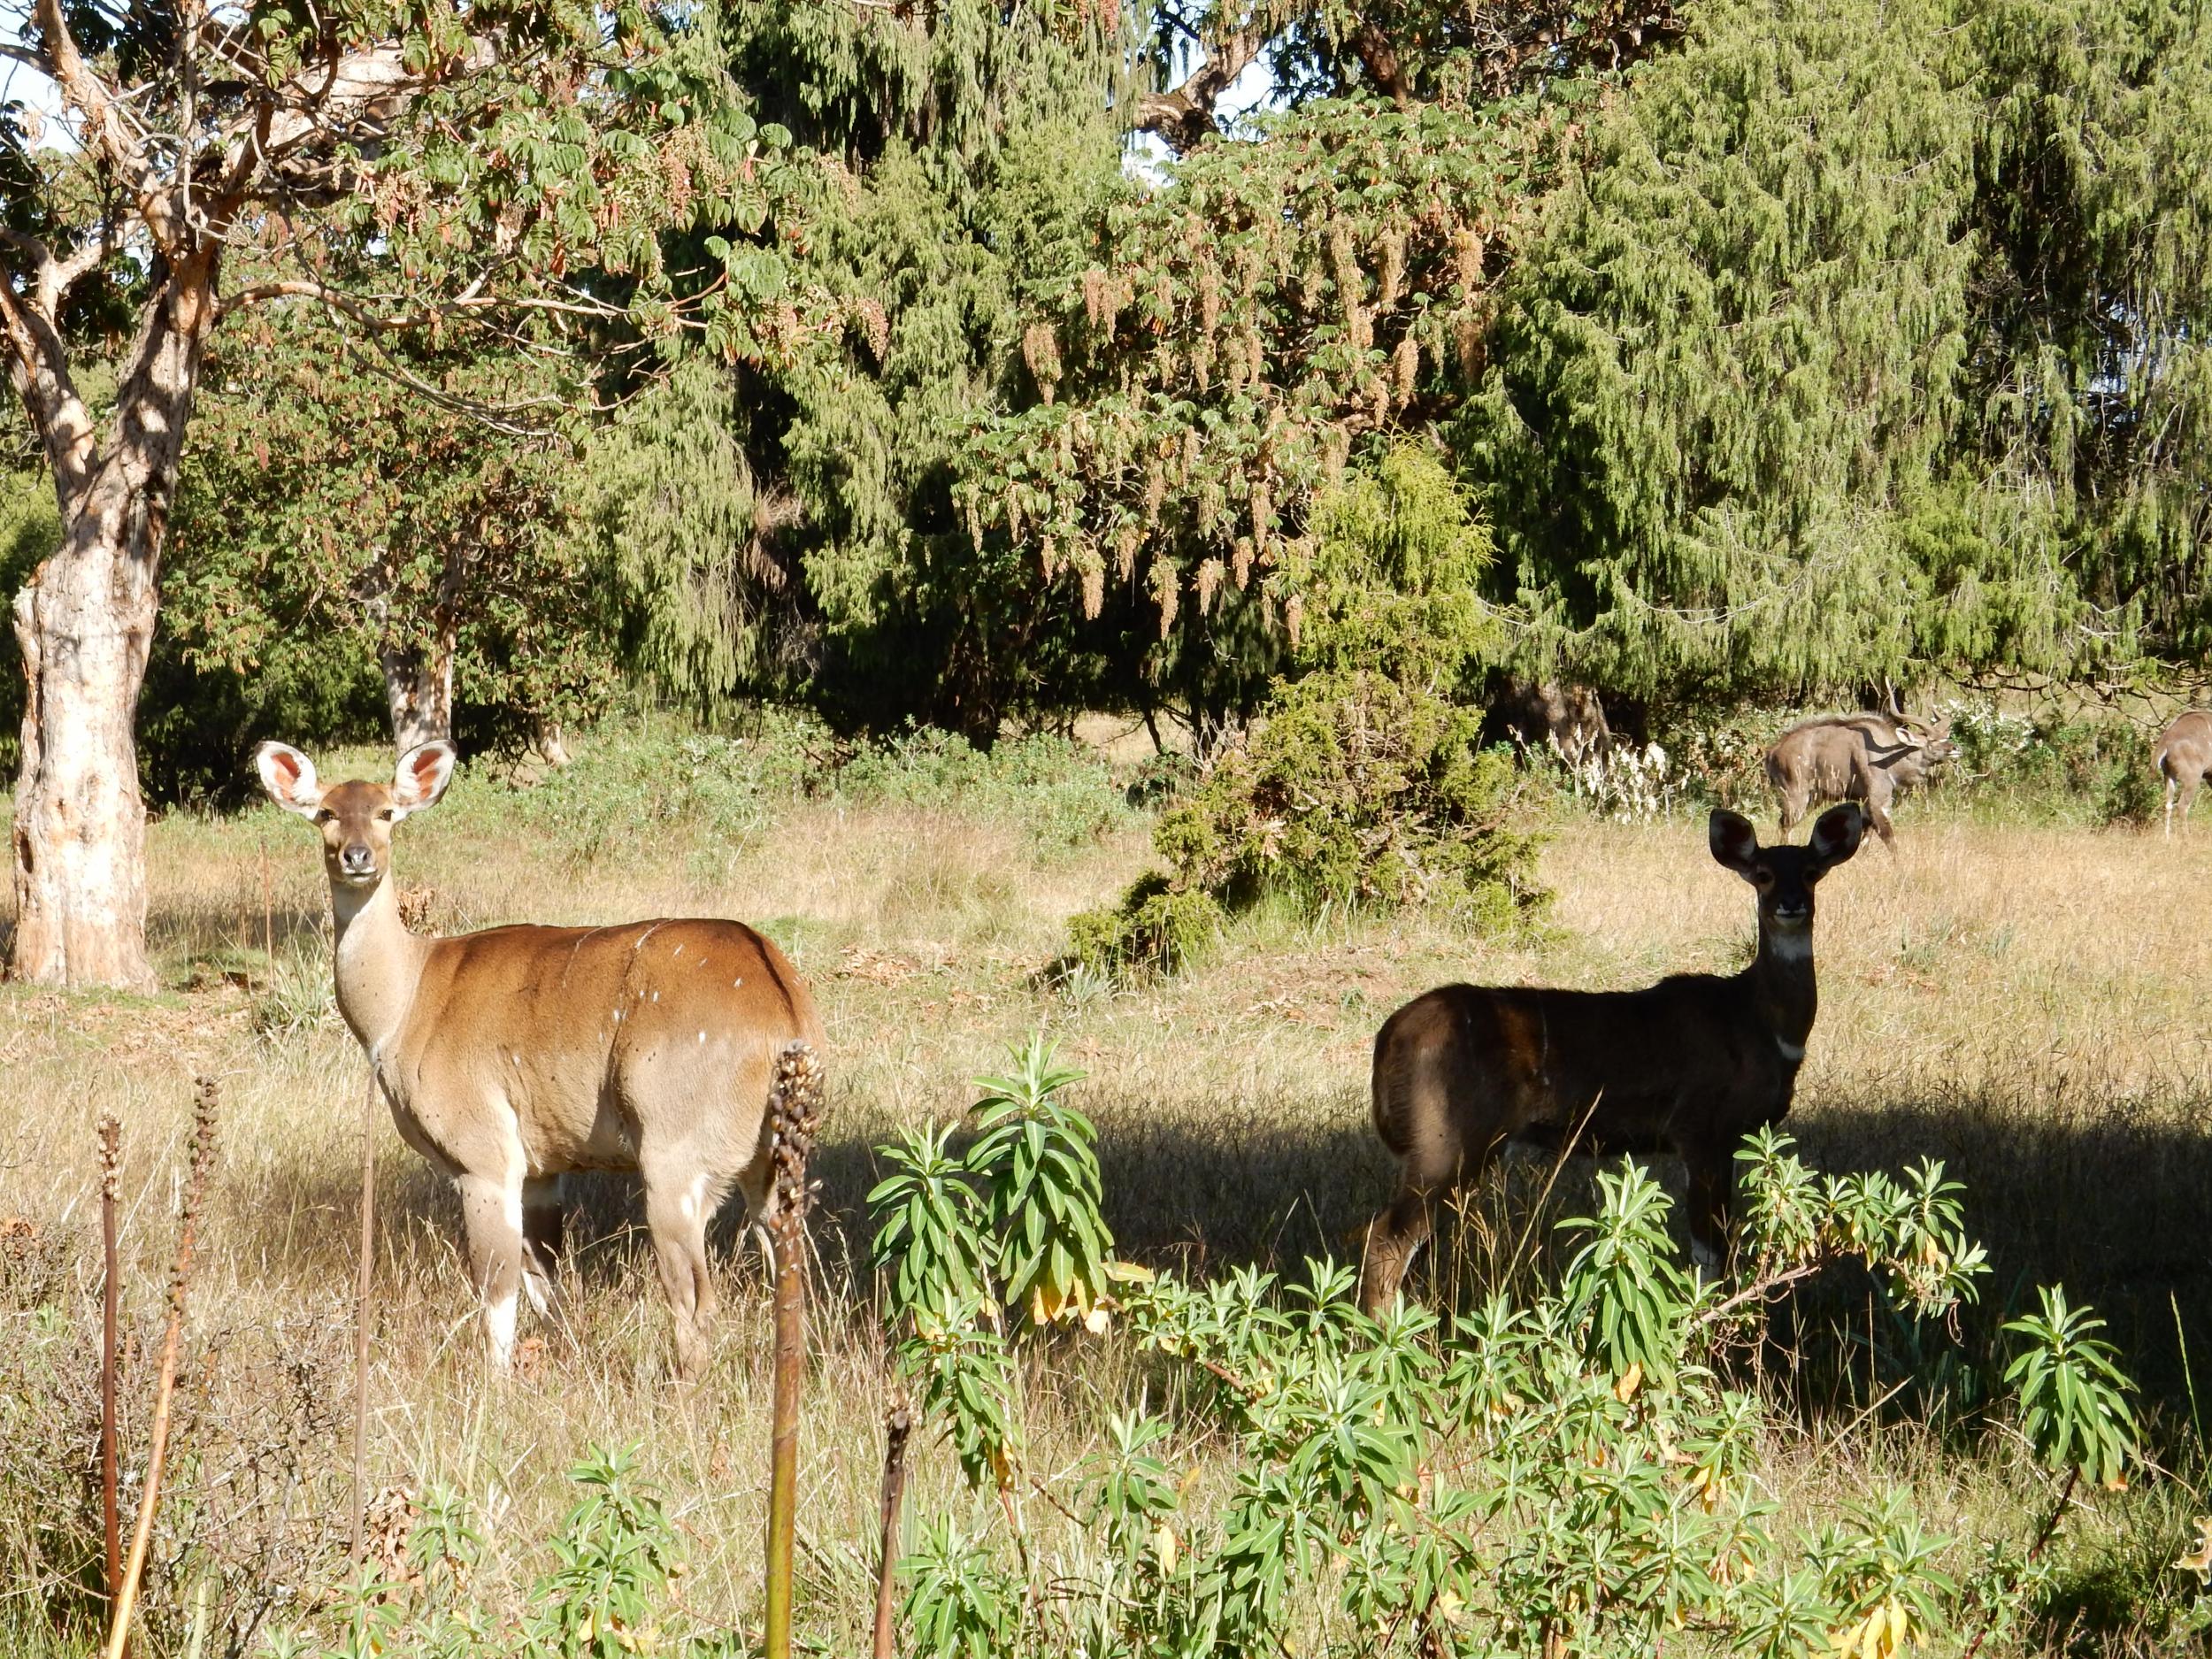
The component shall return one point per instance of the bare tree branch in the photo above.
(40, 366)
(1184, 117)
(105, 118)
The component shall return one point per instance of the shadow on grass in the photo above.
(2109, 1198)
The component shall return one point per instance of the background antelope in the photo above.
(1691, 1065)
(1862, 757)
(2185, 755)
(514, 1054)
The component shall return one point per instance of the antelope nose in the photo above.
(358, 860)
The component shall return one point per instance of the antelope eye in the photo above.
(326, 816)
(384, 815)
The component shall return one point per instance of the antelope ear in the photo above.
(1735, 843)
(1836, 836)
(289, 778)
(423, 771)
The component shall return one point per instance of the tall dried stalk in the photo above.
(795, 1112)
(180, 1273)
(897, 1427)
(111, 1308)
(364, 1289)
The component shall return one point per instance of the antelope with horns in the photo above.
(2185, 755)
(1862, 757)
(1691, 1065)
(512, 1055)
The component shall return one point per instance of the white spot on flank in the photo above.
(735, 983)
(657, 996)
(679, 951)
(702, 1036)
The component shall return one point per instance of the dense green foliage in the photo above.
(1365, 784)
(1579, 1470)
(1784, 348)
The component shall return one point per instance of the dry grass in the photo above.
(2030, 1005)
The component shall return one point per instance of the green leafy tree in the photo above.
(1728, 373)
(2089, 390)
(333, 512)
(421, 172)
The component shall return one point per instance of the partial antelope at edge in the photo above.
(1691, 1065)
(2184, 755)
(513, 1055)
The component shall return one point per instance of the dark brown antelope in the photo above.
(512, 1055)
(2185, 755)
(1691, 1065)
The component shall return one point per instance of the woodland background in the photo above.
(1768, 350)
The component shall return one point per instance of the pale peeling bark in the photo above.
(85, 622)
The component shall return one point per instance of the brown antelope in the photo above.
(1692, 1064)
(513, 1055)
(2185, 755)
(1862, 757)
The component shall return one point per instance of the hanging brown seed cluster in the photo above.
(1126, 541)
(1391, 247)
(1040, 351)
(875, 326)
(1166, 592)
(1241, 553)
(1467, 251)
(1254, 360)
(1351, 289)
(1209, 583)
(1104, 296)
(1262, 506)
(1405, 369)
(1093, 587)
(1155, 489)
(1293, 617)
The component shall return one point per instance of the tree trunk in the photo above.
(419, 688)
(548, 741)
(85, 620)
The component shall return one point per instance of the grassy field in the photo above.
(2033, 1005)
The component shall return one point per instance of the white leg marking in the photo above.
(540, 1297)
(499, 1329)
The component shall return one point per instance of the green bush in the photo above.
(1581, 1471)
(1360, 791)
(2077, 770)
(1156, 927)
(1364, 784)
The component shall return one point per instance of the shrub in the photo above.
(1364, 784)
(1571, 1473)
